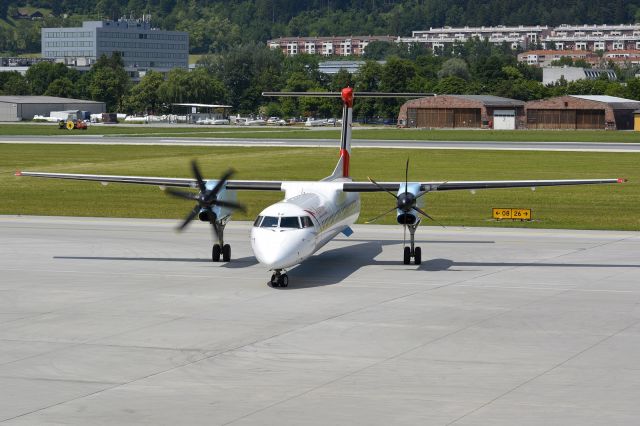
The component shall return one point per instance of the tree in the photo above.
(107, 81)
(451, 86)
(61, 87)
(41, 75)
(455, 67)
(198, 86)
(13, 83)
(144, 97)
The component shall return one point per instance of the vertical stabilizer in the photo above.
(342, 168)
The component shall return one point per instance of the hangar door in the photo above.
(443, 117)
(565, 119)
(504, 119)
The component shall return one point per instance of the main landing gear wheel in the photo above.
(417, 256)
(215, 253)
(407, 256)
(226, 253)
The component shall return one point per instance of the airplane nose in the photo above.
(276, 250)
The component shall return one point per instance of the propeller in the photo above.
(206, 199)
(406, 201)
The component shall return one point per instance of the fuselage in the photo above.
(311, 214)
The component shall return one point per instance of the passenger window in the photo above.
(306, 222)
(289, 222)
(269, 222)
(257, 222)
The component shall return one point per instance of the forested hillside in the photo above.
(215, 25)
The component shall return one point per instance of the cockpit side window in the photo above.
(289, 222)
(269, 222)
(258, 220)
(306, 222)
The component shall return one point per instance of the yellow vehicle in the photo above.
(72, 124)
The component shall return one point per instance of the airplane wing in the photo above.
(254, 185)
(472, 185)
(264, 185)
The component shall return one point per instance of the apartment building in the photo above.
(326, 46)
(520, 36)
(593, 37)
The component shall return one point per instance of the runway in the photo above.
(119, 321)
(327, 143)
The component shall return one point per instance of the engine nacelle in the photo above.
(407, 197)
(223, 195)
(406, 218)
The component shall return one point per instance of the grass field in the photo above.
(383, 133)
(585, 207)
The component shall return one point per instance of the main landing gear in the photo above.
(279, 280)
(221, 249)
(412, 252)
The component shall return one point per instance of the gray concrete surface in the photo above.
(221, 140)
(114, 321)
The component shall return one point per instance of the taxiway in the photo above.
(117, 321)
(326, 143)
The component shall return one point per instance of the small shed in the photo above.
(462, 111)
(582, 112)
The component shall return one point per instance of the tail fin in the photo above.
(342, 168)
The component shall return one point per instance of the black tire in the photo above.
(273, 281)
(417, 256)
(407, 255)
(284, 280)
(226, 253)
(215, 253)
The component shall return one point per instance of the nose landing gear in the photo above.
(279, 280)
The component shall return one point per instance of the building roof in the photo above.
(558, 52)
(44, 100)
(490, 100)
(203, 105)
(614, 101)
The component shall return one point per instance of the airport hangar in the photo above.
(572, 112)
(18, 108)
(463, 111)
(582, 112)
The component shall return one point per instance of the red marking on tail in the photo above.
(347, 97)
(345, 162)
(18, 173)
(622, 180)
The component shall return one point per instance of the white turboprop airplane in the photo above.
(312, 212)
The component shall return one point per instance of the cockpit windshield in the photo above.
(269, 222)
(290, 222)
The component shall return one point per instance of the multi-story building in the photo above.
(141, 46)
(515, 36)
(593, 37)
(326, 46)
(544, 58)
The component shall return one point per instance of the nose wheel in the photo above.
(279, 280)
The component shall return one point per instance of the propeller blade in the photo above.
(198, 175)
(379, 216)
(381, 187)
(422, 212)
(230, 205)
(182, 194)
(222, 181)
(189, 218)
(406, 176)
